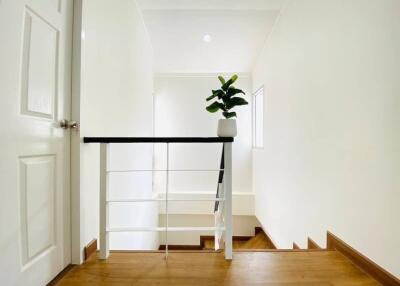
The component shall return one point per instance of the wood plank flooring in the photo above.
(286, 268)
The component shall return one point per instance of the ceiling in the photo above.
(238, 30)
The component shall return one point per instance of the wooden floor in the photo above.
(300, 268)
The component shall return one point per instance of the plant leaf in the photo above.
(234, 78)
(218, 93)
(221, 79)
(235, 101)
(226, 85)
(215, 106)
(232, 91)
(211, 97)
(229, 114)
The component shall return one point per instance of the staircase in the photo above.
(257, 261)
(259, 241)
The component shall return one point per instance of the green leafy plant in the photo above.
(227, 97)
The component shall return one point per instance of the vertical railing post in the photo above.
(217, 220)
(166, 204)
(228, 199)
(104, 243)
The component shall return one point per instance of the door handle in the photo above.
(69, 124)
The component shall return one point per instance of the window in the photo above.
(258, 117)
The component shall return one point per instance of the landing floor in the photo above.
(301, 268)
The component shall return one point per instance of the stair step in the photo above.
(258, 241)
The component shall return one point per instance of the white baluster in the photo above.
(104, 240)
(218, 219)
(166, 205)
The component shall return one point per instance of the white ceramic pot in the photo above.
(227, 128)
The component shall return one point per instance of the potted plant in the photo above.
(227, 97)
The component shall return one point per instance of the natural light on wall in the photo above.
(258, 117)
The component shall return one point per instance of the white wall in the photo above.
(180, 111)
(117, 86)
(331, 126)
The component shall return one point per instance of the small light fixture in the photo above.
(207, 38)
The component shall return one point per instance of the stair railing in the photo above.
(219, 206)
(223, 200)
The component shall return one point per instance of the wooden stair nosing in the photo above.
(311, 244)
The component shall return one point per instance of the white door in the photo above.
(35, 93)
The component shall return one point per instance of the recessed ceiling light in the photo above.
(207, 38)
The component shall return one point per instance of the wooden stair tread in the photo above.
(258, 241)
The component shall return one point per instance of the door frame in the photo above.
(75, 158)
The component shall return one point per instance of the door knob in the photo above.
(69, 124)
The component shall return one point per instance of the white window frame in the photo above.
(258, 139)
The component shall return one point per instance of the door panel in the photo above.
(35, 93)
(37, 198)
(39, 69)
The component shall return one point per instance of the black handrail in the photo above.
(220, 177)
(157, 139)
